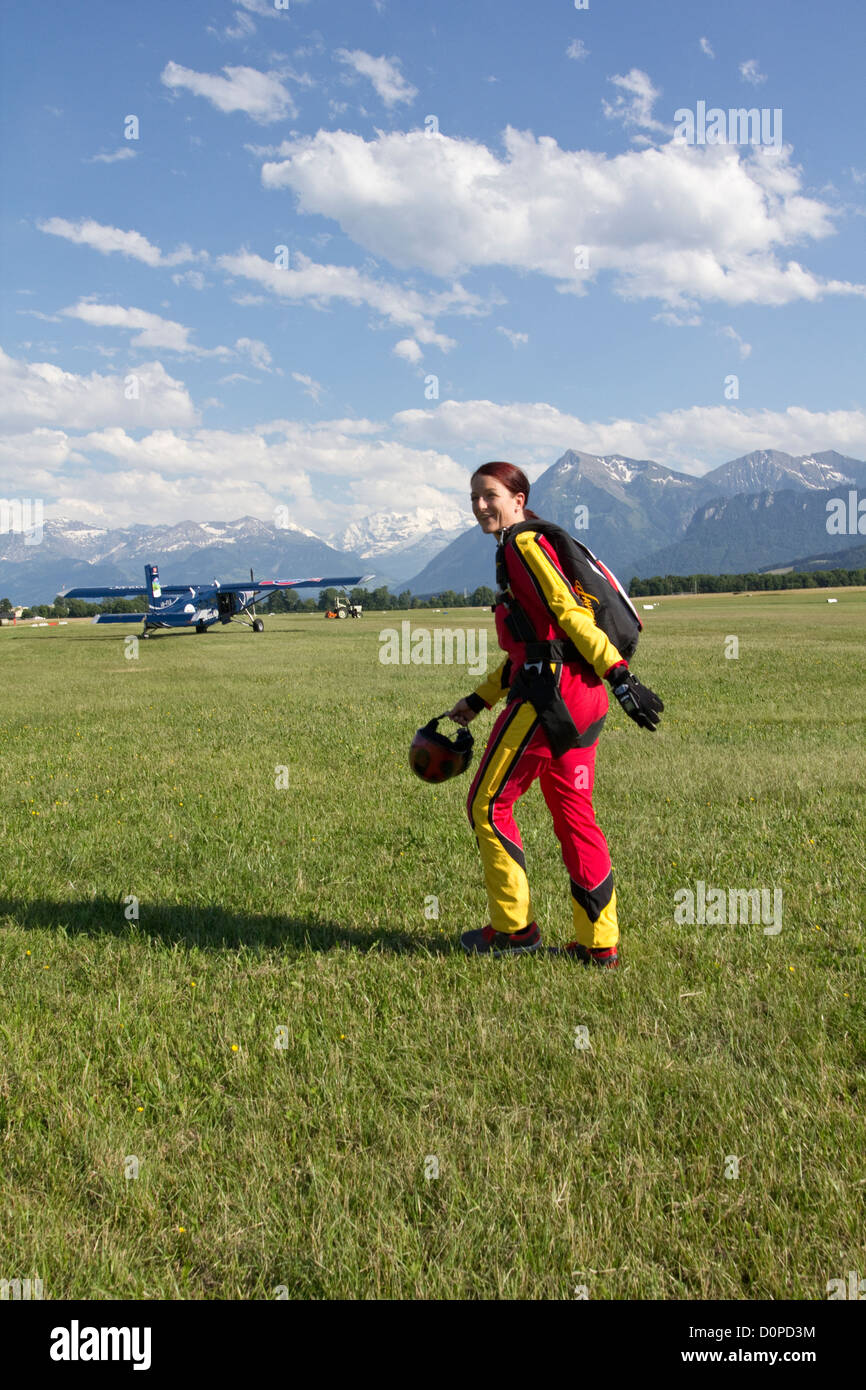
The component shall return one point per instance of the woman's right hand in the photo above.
(462, 713)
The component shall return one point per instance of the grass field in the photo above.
(148, 1045)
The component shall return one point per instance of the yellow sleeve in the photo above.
(492, 688)
(576, 621)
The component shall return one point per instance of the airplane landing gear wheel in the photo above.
(258, 625)
(201, 627)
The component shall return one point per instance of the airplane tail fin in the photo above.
(151, 579)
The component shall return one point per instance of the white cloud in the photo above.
(243, 28)
(268, 10)
(153, 331)
(693, 439)
(515, 339)
(109, 475)
(257, 352)
(577, 49)
(635, 107)
(750, 72)
(312, 388)
(744, 348)
(261, 95)
(675, 223)
(384, 73)
(125, 152)
(231, 474)
(408, 349)
(110, 239)
(322, 283)
(706, 47)
(32, 461)
(193, 278)
(678, 320)
(40, 392)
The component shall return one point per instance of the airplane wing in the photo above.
(121, 591)
(131, 592)
(127, 618)
(266, 585)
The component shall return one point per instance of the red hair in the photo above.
(512, 478)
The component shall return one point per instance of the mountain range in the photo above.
(642, 518)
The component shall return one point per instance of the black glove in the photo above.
(639, 702)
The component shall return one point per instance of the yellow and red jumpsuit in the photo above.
(518, 750)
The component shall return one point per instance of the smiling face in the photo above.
(493, 505)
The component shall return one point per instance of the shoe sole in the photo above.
(506, 951)
(572, 955)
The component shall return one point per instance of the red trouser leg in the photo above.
(566, 784)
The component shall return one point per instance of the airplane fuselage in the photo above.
(199, 605)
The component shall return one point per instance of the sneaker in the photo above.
(606, 957)
(484, 941)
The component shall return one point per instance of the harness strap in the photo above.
(560, 649)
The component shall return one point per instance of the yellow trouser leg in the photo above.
(496, 788)
(595, 921)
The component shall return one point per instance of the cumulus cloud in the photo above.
(260, 95)
(31, 462)
(384, 73)
(675, 223)
(41, 392)
(408, 349)
(693, 439)
(233, 473)
(577, 49)
(414, 457)
(111, 239)
(706, 47)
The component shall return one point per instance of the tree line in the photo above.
(381, 599)
(740, 583)
(282, 601)
(378, 600)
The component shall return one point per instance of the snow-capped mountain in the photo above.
(770, 468)
(72, 553)
(398, 544)
(634, 513)
(391, 532)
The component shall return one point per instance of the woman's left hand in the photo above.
(462, 713)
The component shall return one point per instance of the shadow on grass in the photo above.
(210, 927)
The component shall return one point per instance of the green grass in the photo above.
(304, 909)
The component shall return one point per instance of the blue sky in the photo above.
(432, 170)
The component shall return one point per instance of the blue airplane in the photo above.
(201, 605)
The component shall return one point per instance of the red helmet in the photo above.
(435, 758)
